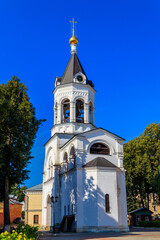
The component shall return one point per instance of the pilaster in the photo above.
(86, 112)
(59, 114)
(72, 111)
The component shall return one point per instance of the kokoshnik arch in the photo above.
(83, 168)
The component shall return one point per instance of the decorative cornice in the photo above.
(78, 93)
(33, 192)
(34, 210)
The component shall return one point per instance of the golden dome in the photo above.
(73, 40)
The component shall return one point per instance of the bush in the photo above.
(149, 224)
(14, 236)
(31, 232)
(23, 232)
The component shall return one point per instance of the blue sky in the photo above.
(119, 48)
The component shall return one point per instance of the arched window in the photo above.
(91, 112)
(66, 111)
(72, 152)
(107, 207)
(99, 148)
(72, 156)
(65, 161)
(65, 158)
(79, 111)
(49, 169)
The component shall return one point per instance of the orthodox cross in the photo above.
(73, 24)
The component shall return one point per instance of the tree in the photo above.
(18, 191)
(18, 128)
(142, 161)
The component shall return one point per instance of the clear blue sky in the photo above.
(119, 48)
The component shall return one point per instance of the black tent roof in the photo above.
(73, 67)
(99, 162)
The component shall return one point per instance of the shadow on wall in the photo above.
(92, 214)
(94, 203)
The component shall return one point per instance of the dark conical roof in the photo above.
(73, 67)
(99, 162)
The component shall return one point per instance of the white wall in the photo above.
(107, 184)
(68, 193)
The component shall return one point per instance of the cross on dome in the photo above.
(73, 39)
(73, 24)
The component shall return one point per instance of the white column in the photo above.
(59, 113)
(72, 111)
(55, 113)
(86, 113)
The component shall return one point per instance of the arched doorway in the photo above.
(48, 211)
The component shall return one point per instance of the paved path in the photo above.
(137, 234)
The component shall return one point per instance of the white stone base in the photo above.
(103, 229)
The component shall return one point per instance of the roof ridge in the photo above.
(40, 184)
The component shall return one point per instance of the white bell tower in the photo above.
(73, 97)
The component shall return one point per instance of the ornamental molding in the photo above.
(77, 93)
(34, 210)
(33, 192)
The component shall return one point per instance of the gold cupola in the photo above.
(73, 40)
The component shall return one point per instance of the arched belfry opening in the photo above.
(65, 111)
(79, 111)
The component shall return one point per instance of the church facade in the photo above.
(84, 179)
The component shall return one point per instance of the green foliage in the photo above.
(142, 161)
(149, 224)
(18, 191)
(14, 236)
(18, 126)
(157, 183)
(30, 232)
(22, 232)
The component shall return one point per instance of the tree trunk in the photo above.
(147, 205)
(6, 205)
(142, 201)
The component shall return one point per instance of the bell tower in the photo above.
(73, 96)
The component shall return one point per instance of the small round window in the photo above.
(79, 78)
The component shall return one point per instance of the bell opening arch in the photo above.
(65, 110)
(79, 110)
